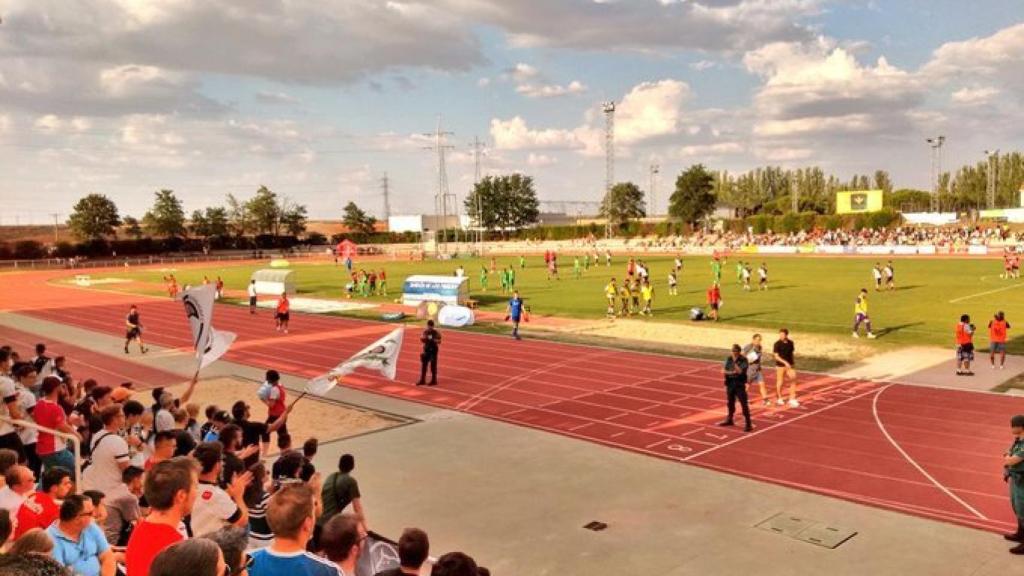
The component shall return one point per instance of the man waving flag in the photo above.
(381, 356)
(210, 344)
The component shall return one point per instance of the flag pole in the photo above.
(294, 402)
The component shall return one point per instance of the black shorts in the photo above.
(252, 300)
(282, 316)
(132, 334)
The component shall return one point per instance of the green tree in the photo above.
(132, 227)
(624, 202)
(883, 181)
(264, 211)
(506, 202)
(693, 198)
(166, 218)
(94, 217)
(356, 220)
(239, 219)
(217, 221)
(293, 218)
(199, 225)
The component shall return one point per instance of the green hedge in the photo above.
(808, 221)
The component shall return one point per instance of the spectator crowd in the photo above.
(161, 493)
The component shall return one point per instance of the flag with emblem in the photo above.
(210, 344)
(381, 356)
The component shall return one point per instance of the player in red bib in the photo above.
(282, 313)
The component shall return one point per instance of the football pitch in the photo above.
(806, 294)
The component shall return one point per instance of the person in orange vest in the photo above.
(997, 328)
(964, 346)
(282, 313)
(714, 301)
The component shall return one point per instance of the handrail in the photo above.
(63, 435)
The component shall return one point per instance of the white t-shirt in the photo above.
(27, 401)
(164, 420)
(213, 509)
(10, 500)
(104, 473)
(252, 290)
(876, 273)
(7, 390)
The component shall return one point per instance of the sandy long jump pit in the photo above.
(325, 419)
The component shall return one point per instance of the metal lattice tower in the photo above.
(609, 155)
(478, 151)
(993, 167)
(654, 170)
(442, 197)
(387, 199)
(936, 146)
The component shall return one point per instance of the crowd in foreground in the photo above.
(162, 494)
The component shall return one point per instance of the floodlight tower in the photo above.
(441, 199)
(993, 167)
(609, 156)
(936, 155)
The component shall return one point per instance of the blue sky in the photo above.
(318, 100)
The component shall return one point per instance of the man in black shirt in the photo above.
(431, 339)
(254, 433)
(133, 330)
(413, 549)
(735, 372)
(784, 368)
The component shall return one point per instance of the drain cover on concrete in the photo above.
(807, 530)
(785, 524)
(827, 536)
(595, 526)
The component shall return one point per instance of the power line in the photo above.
(442, 197)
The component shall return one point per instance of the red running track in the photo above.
(934, 453)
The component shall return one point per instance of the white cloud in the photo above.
(514, 134)
(550, 90)
(483, 82)
(973, 96)
(999, 56)
(702, 65)
(715, 149)
(651, 109)
(538, 160)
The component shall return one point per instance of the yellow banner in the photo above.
(858, 201)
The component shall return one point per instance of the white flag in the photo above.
(381, 356)
(209, 343)
(45, 371)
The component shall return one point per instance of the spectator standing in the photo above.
(276, 401)
(79, 543)
(413, 550)
(784, 351)
(109, 453)
(185, 442)
(8, 458)
(216, 506)
(257, 498)
(40, 359)
(515, 311)
(252, 296)
(735, 373)
(997, 328)
(170, 490)
(164, 447)
(53, 451)
(309, 449)
(290, 515)
(123, 509)
(40, 509)
(342, 541)
(339, 490)
(455, 564)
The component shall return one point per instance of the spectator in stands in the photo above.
(87, 412)
(275, 399)
(136, 431)
(9, 408)
(109, 453)
(53, 451)
(309, 450)
(164, 447)
(455, 564)
(30, 555)
(233, 543)
(163, 417)
(186, 443)
(24, 380)
(254, 433)
(123, 509)
(20, 483)
(79, 543)
(413, 550)
(234, 456)
(40, 359)
(99, 505)
(170, 490)
(196, 557)
(217, 506)
(193, 423)
(257, 498)
(40, 509)
(342, 542)
(339, 490)
(34, 541)
(210, 411)
(288, 470)
(219, 421)
(8, 458)
(290, 515)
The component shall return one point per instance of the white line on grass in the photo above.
(947, 491)
(985, 293)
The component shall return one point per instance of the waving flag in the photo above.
(381, 356)
(209, 343)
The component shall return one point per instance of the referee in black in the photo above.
(431, 339)
(735, 372)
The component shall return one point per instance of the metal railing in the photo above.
(76, 445)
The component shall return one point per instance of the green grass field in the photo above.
(807, 294)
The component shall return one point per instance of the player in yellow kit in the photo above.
(860, 314)
(610, 292)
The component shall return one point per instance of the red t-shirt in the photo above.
(278, 406)
(38, 511)
(147, 540)
(51, 415)
(282, 306)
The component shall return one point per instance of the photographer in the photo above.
(964, 346)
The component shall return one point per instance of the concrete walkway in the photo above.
(932, 366)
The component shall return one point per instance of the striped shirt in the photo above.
(260, 533)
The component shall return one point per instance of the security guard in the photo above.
(735, 372)
(431, 339)
(1013, 473)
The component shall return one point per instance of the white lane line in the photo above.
(947, 491)
(985, 293)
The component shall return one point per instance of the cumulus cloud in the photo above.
(537, 160)
(972, 96)
(711, 150)
(530, 82)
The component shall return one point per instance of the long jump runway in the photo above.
(929, 452)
